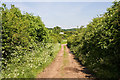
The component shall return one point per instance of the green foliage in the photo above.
(57, 29)
(55, 36)
(18, 29)
(73, 29)
(64, 41)
(26, 46)
(97, 45)
(32, 62)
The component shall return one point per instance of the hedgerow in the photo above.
(26, 44)
(97, 45)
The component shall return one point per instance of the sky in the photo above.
(64, 14)
(58, 0)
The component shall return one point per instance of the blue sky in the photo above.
(64, 14)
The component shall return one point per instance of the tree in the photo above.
(57, 29)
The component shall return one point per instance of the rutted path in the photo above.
(64, 66)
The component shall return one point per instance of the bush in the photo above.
(97, 45)
(26, 46)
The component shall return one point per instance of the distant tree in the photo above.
(82, 27)
(57, 29)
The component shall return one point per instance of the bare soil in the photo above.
(65, 66)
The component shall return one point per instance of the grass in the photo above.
(48, 62)
(64, 42)
(65, 60)
(56, 48)
(29, 65)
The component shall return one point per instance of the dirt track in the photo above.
(64, 66)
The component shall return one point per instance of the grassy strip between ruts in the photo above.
(65, 58)
(65, 61)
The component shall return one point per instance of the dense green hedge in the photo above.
(21, 29)
(26, 44)
(98, 45)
